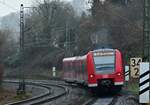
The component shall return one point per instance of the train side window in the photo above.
(76, 66)
(66, 66)
(73, 65)
(82, 66)
(69, 68)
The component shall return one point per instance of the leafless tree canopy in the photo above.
(53, 25)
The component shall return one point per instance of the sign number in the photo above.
(133, 62)
(134, 67)
(140, 60)
(136, 71)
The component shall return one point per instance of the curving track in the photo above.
(107, 100)
(61, 93)
(53, 92)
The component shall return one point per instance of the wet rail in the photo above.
(59, 92)
(42, 99)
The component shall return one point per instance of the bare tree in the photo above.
(123, 21)
(46, 27)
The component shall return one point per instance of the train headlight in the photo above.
(95, 54)
(118, 74)
(91, 75)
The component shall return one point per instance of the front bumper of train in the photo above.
(115, 80)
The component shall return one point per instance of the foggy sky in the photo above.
(8, 6)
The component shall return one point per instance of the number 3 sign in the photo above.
(134, 67)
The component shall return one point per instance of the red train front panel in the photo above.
(104, 68)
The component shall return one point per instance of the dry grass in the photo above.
(133, 86)
(21, 97)
(6, 96)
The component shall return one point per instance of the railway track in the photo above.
(119, 99)
(107, 100)
(61, 93)
(104, 101)
(101, 101)
(53, 92)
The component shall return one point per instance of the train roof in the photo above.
(76, 58)
(105, 49)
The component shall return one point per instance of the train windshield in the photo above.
(104, 64)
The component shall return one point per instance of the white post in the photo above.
(144, 82)
(126, 73)
(54, 71)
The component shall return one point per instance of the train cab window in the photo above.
(104, 64)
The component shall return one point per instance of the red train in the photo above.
(102, 68)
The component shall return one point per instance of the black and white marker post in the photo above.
(126, 76)
(126, 73)
(144, 84)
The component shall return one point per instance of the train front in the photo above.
(105, 69)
